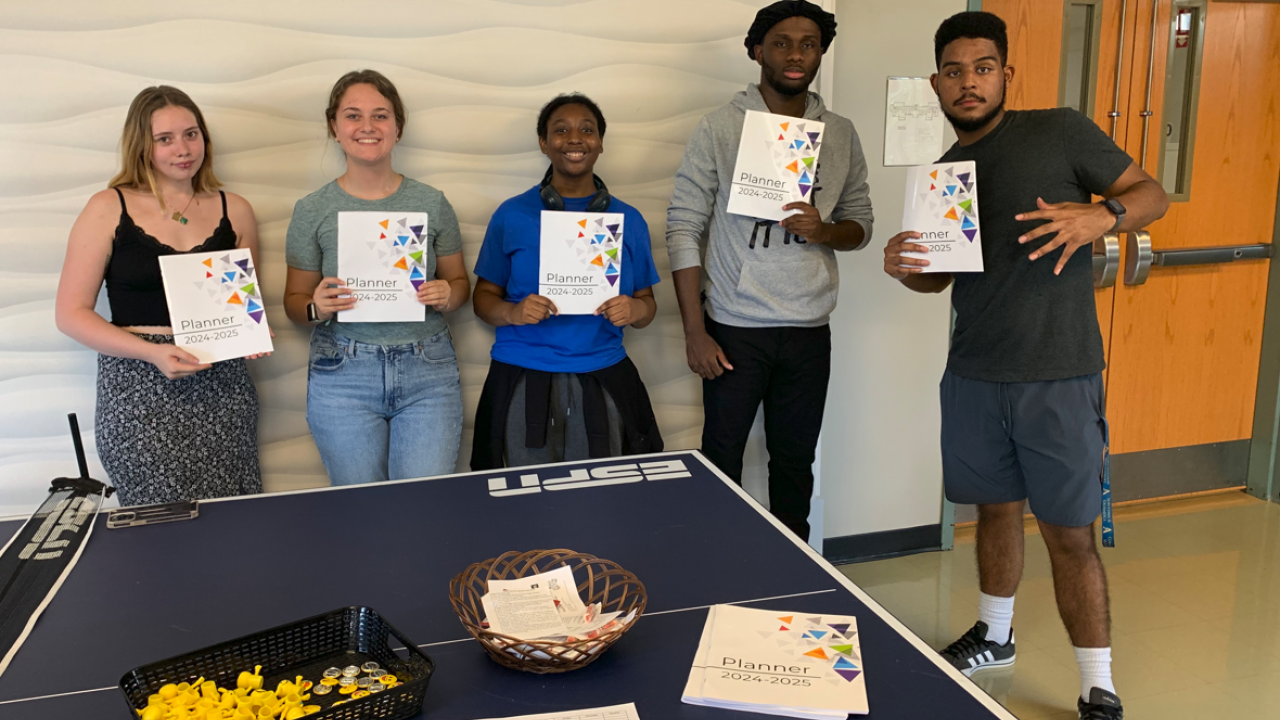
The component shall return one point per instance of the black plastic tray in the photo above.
(350, 636)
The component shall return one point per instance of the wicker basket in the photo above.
(599, 581)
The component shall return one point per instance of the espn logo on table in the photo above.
(595, 477)
(68, 518)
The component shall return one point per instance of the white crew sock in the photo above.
(1095, 670)
(997, 613)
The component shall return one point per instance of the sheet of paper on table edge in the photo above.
(628, 713)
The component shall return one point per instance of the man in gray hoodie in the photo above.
(763, 335)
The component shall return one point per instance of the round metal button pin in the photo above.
(371, 667)
(333, 672)
(377, 688)
(323, 689)
(350, 671)
(364, 683)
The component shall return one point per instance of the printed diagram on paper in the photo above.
(913, 123)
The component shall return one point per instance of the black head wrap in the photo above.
(779, 11)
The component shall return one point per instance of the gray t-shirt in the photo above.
(1016, 321)
(312, 244)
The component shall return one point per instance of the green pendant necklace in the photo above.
(181, 215)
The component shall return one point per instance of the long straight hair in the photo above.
(136, 143)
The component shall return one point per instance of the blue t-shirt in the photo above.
(561, 343)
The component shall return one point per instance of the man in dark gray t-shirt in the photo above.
(1022, 398)
(1018, 321)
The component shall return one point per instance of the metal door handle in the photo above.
(1115, 99)
(1151, 67)
(1137, 257)
(1106, 260)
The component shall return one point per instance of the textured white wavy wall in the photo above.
(473, 75)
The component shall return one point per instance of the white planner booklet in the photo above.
(215, 304)
(777, 164)
(779, 663)
(942, 205)
(580, 260)
(382, 258)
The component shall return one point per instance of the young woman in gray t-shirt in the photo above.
(383, 398)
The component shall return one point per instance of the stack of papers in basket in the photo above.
(779, 663)
(546, 607)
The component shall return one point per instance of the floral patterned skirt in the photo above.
(164, 440)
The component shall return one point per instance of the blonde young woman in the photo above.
(167, 427)
(383, 399)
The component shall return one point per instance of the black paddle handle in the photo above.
(75, 438)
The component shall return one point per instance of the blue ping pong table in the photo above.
(142, 594)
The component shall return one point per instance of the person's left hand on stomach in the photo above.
(1076, 225)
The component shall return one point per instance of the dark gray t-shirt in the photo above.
(1017, 321)
(312, 244)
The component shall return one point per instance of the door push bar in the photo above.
(1139, 257)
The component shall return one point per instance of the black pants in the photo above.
(787, 368)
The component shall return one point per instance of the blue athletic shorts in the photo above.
(1037, 441)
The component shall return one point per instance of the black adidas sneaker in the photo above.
(974, 652)
(1102, 705)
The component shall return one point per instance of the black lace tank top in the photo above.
(135, 290)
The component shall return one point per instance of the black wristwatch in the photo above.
(313, 314)
(1116, 209)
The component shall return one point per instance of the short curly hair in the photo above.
(977, 25)
(779, 11)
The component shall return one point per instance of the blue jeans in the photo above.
(384, 412)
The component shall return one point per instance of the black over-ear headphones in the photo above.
(551, 199)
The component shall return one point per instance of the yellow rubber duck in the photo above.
(250, 680)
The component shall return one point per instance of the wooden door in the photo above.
(1183, 348)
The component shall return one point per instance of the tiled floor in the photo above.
(1195, 604)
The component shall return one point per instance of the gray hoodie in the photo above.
(758, 275)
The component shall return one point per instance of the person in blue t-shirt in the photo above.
(560, 387)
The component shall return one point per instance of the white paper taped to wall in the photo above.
(912, 122)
